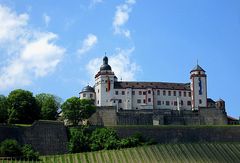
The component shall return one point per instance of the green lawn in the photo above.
(185, 153)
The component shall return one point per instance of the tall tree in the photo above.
(49, 105)
(23, 107)
(3, 109)
(75, 110)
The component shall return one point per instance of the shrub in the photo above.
(79, 140)
(28, 153)
(10, 148)
(104, 138)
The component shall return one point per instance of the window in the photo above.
(189, 94)
(164, 93)
(133, 92)
(144, 93)
(113, 101)
(98, 101)
(116, 92)
(182, 102)
(175, 103)
(84, 95)
(184, 94)
(138, 101)
(123, 92)
(106, 89)
(158, 102)
(158, 92)
(189, 103)
(174, 93)
(98, 90)
(169, 93)
(91, 95)
(180, 93)
(149, 99)
(167, 103)
(149, 91)
(140, 92)
(200, 101)
(120, 100)
(144, 101)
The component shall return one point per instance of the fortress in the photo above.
(153, 103)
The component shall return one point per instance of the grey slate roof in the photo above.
(198, 68)
(154, 85)
(88, 89)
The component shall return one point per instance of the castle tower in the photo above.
(198, 88)
(104, 84)
(87, 92)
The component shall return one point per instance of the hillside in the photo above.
(206, 152)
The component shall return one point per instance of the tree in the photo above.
(75, 110)
(3, 109)
(22, 107)
(49, 104)
(10, 148)
(104, 138)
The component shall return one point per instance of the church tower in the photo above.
(104, 84)
(198, 88)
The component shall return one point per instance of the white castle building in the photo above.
(128, 95)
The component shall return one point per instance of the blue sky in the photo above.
(57, 46)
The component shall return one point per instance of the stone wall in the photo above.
(181, 134)
(108, 116)
(46, 137)
(104, 116)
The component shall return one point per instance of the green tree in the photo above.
(49, 105)
(75, 110)
(79, 140)
(10, 148)
(23, 107)
(28, 153)
(3, 109)
(104, 138)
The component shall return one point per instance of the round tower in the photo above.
(104, 84)
(87, 92)
(198, 87)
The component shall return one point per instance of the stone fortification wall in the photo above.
(108, 116)
(47, 137)
(104, 116)
(180, 134)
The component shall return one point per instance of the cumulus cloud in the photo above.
(46, 19)
(121, 17)
(31, 54)
(88, 43)
(120, 62)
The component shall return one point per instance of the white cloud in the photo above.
(46, 19)
(121, 65)
(94, 2)
(121, 17)
(88, 43)
(31, 54)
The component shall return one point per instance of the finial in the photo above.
(197, 61)
(105, 54)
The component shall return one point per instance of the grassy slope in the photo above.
(194, 152)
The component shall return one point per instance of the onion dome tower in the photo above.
(104, 84)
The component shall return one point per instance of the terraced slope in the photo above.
(185, 153)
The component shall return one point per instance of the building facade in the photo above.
(124, 95)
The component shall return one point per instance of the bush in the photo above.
(79, 140)
(10, 148)
(104, 138)
(28, 153)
